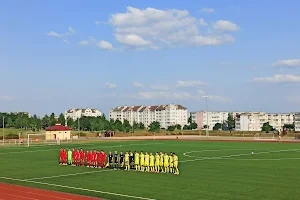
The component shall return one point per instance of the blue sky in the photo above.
(56, 55)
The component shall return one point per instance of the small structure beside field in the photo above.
(58, 132)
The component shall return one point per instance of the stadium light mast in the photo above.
(206, 97)
(3, 130)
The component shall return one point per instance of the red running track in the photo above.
(14, 192)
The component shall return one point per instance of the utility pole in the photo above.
(206, 97)
(78, 128)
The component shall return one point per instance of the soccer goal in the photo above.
(43, 139)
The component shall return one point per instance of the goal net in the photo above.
(44, 139)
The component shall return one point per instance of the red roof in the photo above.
(58, 128)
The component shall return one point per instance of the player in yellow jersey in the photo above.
(136, 160)
(151, 162)
(142, 161)
(166, 163)
(171, 163)
(127, 166)
(175, 160)
(147, 162)
(161, 162)
(157, 160)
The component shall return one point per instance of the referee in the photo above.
(131, 160)
(116, 160)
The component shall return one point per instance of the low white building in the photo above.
(166, 115)
(297, 122)
(253, 121)
(76, 113)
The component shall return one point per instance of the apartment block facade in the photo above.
(76, 113)
(297, 122)
(253, 121)
(203, 118)
(167, 115)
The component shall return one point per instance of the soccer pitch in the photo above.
(208, 170)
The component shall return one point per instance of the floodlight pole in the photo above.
(78, 128)
(206, 97)
(3, 130)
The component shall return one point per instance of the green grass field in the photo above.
(208, 170)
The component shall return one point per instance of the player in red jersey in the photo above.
(61, 156)
(82, 156)
(73, 157)
(78, 158)
(103, 160)
(87, 158)
(99, 159)
(95, 158)
(65, 157)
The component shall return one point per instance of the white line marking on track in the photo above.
(65, 175)
(76, 188)
(236, 155)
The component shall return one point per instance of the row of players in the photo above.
(160, 162)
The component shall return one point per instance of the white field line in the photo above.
(102, 147)
(76, 188)
(234, 155)
(65, 175)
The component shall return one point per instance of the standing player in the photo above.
(82, 157)
(157, 161)
(166, 163)
(103, 164)
(131, 160)
(161, 163)
(171, 162)
(110, 159)
(61, 155)
(65, 156)
(73, 157)
(99, 159)
(151, 162)
(136, 161)
(121, 160)
(116, 160)
(77, 157)
(147, 162)
(142, 161)
(95, 158)
(69, 157)
(175, 160)
(127, 160)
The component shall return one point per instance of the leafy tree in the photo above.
(205, 126)
(289, 126)
(70, 123)
(190, 119)
(154, 126)
(45, 122)
(119, 126)
(178, 127)
(61, 119)
(230, 122)
(267, 127)
(194, 126)
(141, 126)
(217, 126)
(171, 128)
(186, 127)
(52, 119)
(9, 123)
(126, 126)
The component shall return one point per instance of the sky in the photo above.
(57, 55)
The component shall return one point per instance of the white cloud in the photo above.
(136, 84)
(202, 22)
(159, 87)
(71, 29)
(6, 98)
(225, 25)
(154, 28)
(185, 84)
(279, 78)
(52, 33)
(132, 40)
(97, 22)
(110, 85)
(83, 42)
(201, 92)
(66, 41)
(287, 63)
(207, 10)
(220, 99)
(105, 45)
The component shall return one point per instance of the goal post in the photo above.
(41, 139)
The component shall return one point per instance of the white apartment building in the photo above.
(76, 113)
(203, 118)
(297, 121)
(166, 115)
(253, 121)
